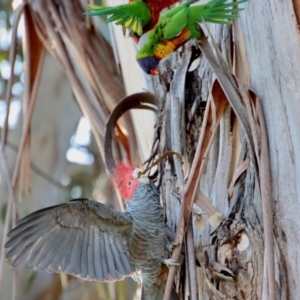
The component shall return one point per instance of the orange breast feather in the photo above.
(168, 46)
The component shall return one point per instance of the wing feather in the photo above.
(22, 255)
(74, 262)
(128, 267)
(103, 261)
(97, 256)
(68, 250)
(118, 259)
(90, 256)
(83, 266)
(47, 251)
(58, 252)
(176, 23)
(109, 257)
(83, 238)
(34, 256)
(28, 235)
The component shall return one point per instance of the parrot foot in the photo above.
(171, 262)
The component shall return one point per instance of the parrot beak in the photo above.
(136, 39)
(154, 72)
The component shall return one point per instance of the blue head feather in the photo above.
(148, 63)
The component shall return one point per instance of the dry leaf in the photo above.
(204, 203)
(215, 219)
(199, 222)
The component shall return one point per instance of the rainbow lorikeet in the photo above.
(139, 16)
(179, 25)
(93, 241)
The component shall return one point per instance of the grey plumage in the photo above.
(95, 242)
(77, 238)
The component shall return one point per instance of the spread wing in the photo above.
(134, 15)
(84, 238)
(174, 21)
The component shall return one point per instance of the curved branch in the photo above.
(135, 101)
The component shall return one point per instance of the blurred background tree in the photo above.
(60, 159)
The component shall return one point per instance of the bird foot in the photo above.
(171, 262)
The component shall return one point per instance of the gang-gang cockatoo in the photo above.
(93, 241)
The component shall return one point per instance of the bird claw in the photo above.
(171, 262)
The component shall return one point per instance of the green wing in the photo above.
(134, 15)
(216, 11)
(175, 21)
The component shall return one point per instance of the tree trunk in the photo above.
(261, 49)
(271, 56)
(265, 45)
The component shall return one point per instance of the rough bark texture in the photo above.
(272, 46)
(265, 56)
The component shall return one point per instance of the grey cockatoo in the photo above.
(90, 240)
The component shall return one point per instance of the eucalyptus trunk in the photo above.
(237, 211)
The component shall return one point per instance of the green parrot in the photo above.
(179, 25)
(139, 16)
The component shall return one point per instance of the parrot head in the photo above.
(127, 179)
(149, 64)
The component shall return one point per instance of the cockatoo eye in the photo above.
(129, 182)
